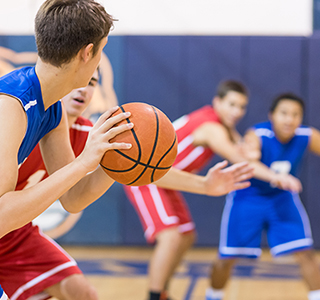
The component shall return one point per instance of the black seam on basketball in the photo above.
(153, 148)
(136, 163)
(163, 156)
(138, 144)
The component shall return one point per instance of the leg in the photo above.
(171, 245)
(74, 287)
(309, 269)
(221, 272)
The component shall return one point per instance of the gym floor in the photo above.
(121, 274)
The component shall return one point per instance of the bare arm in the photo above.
(18, 58)
(314, 145)
(20, 207)
(216, 136)
(264, 173)
(218, 181)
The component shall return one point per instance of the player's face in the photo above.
(231, 108)
(286, 118)
(79, 99)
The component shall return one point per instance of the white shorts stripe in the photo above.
(291, 246)
(186, 227)
(138, 198)
(160, 207)
(40, 278)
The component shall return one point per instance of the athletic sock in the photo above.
(164, 295)
(154, 296)
(213, 294)
(314, 295)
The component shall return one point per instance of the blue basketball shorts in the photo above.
(282, 216)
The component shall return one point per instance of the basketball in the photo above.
(153, 151)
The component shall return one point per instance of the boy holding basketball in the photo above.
(162, 211)
(273, 203)
(31, 112)
(37, 254)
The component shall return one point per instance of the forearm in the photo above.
(86, 191)
(182, 181)
(20, 207)
(262, 172)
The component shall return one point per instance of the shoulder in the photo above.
(304, 131)
(263, 129)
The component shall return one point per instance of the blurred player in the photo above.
(272, 204)
(163, 212)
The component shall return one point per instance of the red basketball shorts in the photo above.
(33, 264)
(159, 209)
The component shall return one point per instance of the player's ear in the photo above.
(86, 52)
(215, 101)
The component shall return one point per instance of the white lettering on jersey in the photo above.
(29, 104)
(282, 167)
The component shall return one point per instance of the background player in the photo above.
(164, 213)
(44, 268)
(279, 144)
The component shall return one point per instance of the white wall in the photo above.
(183, 17)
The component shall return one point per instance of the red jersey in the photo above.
(33, 171)
(191, 158)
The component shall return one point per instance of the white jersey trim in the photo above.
(303, 131)
(190, 158)
(185, 143)
(179, 123)
(264, 132)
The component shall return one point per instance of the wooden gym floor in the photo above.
(120, 274)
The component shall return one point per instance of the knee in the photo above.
(190, 237)
(91, 293)
(304, 256)
(225, 263)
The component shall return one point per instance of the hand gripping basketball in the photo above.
(153, 151)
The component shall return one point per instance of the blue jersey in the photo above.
(23, 84)
(280, 157)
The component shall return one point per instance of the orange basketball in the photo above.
(153, 151)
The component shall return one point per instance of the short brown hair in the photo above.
(63, 27)
(231, 85)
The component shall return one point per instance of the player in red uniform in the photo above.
(32, 263)
(164, 213)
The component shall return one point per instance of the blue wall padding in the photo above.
(179, 74)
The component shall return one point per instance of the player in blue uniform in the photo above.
(272, 201)
(70, 36)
